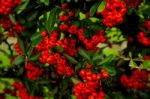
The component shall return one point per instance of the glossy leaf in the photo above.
(101, 7)
(83, 53)
(35, 57)
(19, 60)
(93, 9)
(71, 59)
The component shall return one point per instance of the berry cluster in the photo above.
(92, 43)
(91, 88)
(7, 5)
(17, 49)
(137, 80)
(88, 90)
(147, 25)
(22, 91)
(32, 72)
(10, 28)
(114, 12)
(143, 39)
(147, 57)
(132, 3)
(55, 59)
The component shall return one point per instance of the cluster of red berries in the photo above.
(92, 43)
(32, 72)
(143, 39)
(47, 42)
(10, 28)
(114, 12)
(137, 80)
(147, 25)
(146, 57)
(22, 91)
(7, 5)
(91, 88)
(88, 75)
(132, 3)
(68, 45)
(88, 90)
(55, 59)
(17, 49)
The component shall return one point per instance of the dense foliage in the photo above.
(74, 49)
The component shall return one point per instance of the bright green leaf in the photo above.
(101, 7)
(146, 64)
(132, 64)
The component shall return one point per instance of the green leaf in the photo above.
(35, 39)
(132, 64)
(71, 59)
(33, 15)
(36, 57)
(106, 60)
(23, 6)
(146, 64)
(12, 18)
(83, 53)
(7, 96)
(110, 69)
(62, 1)
(93, 9)
(101, 7)
(75, 80)
(1, 28)
(73, 97)
(94, 19)
(97, 57)
(82, 16)
(60, 49)
(46, 2)
(19, 59)
(52, 19)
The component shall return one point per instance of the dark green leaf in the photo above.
(46, 2)
(23, 6)
(106, 60)
(60, 49)
(35, 36)
(35, 39)
(110, 69)
(93, 9)
(71, 59)
(1, 28)
(52, 19)
(62, 1)
(19, 59)
(33, 15)
(101, 7)
(36, 57)
(83, 53)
